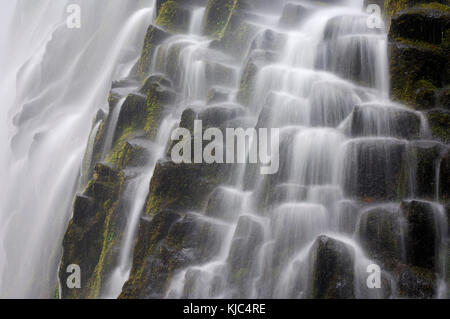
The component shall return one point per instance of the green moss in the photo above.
(217, 16)
(246, 87)
(434, 5)
(439, 122)
(172, 17)
(153, 38)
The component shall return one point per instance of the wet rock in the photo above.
(158, 79)
(347, 216)
(217, 95)
(127, 154)
(247, 238)
(444, 178)
(220, 74)
(376, 169)
(132, 114)
(92, 233)
(293, 15)
(415, 68)
(439, 122)
(427, 156)
(331, 103)
(166, 244)
(268, 40)
(217, 16)
(176, 186)
(380, 233)
(215, 116)
(82, 209)
(225, 203)
(153, 38)
(237, 38)
(373, 120)
(422, 234)
(443, 98)
(347, 25)
(287, 193)
(332, 269)
(173, 17)
(256, 60)
(417, 283)
(421, 24)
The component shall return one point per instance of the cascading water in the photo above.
(56, 79)
(324, 83)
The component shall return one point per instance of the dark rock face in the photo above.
(175, 186)
(417, 283)
(167, 243)
(421, 24)
(256, 60)
(419, 53)
(401, 123)
(173, 16)
(415, 67)
(380, 234)
(423, 236)
(92, 233)
(444, 178)
(217, 16)
(293, 15)
(332, 270)
(133, 113)
(427, 156)
(248, 237)
(376, 169)
(153, 38)
(439, 122)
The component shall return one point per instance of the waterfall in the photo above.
(56, 79)
(347, 183)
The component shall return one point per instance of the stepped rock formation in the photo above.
(364, 128)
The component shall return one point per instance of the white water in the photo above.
(55, 80)
(62, 83)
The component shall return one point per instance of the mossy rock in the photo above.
(332, 269)
(217, 16)
(92, 232)
(166, 243)
(127, 154)
(132, 115)
(173, 17)
(217, 95)
(256, 60)
(236, 39)
(417, 283)
(423, 234)
(421, 24)
(293, 15)
(153, 38)
(439, 122)
(401, 122)
(444, 178)
(176, 186)
(443, 98)
(379, 230)
(392, 7)
(426, 156)
(416, 68)
(377, 170)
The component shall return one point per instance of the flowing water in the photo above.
(54, 80)
(308, 82)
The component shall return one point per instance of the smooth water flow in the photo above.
(323, 83)
(56, 79)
